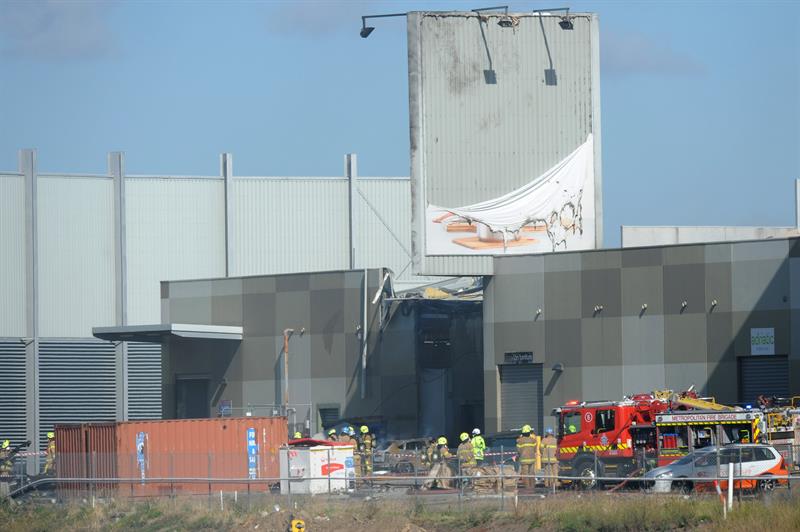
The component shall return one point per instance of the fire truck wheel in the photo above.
(404, 468)
(586, 470)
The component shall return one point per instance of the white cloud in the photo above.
(624, 54)
(53, 30)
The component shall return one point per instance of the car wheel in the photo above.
(682, 486)
(404, 468)
(766, 485)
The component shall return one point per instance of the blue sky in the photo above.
(700, 100)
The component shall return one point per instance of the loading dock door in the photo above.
(763, 375)
(521, 399)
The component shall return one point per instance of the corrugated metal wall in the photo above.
(144, 381)
(384, 201)
(12, 391)
(175, 230)
(12, 255)
(76, 255)
(478, 140)
(77, 383)
(289, 225)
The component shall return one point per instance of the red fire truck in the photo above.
(618, 438)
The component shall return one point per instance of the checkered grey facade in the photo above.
(617, 322)
(325, 367)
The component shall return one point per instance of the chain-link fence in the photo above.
(294, 474)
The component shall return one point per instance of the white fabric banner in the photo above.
(553, 212)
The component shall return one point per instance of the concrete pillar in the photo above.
(28, 167)
(116, 168)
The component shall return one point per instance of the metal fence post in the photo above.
(596, 482)
(208, 458)
(92, 474)
(460, 482)
(329, 470)
(502, 481)
(289, 477)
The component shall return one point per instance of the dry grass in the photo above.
(567, 512)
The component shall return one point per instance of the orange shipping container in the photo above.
(190, 451)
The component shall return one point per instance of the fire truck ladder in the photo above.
(700, 404)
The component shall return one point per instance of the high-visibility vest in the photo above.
(478, 446)
(466, 455)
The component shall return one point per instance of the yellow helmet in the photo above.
(442, 441)
(464, 436)
(51, 435)
(297, 435)
(331, 432)
(526, 429)
(6, 444)
(364, 429)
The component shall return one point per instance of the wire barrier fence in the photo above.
(293, 475)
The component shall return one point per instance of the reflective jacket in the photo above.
(527, 448)
(478, 446)
(549, 445)
(466, 455)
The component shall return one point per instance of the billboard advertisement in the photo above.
(505, 137)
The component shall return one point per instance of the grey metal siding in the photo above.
(76, 383)
(12, 255)
(521, 396)
(763, 375)
(12, 391)
(144, 381)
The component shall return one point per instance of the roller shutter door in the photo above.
(144, 381)
(521, 396)
(12, 391)
(763, 375)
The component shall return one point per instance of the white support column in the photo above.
(351, 172)
(226, 171)
(116, 169)
(28, 167)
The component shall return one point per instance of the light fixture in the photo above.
(558, 368)
(506, 22)
(366, 30)
(644, 306)
(566, 23)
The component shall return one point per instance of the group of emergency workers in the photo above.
(536, 455)
(6, 455)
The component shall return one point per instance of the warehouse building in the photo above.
(79, 251)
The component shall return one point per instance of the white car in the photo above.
(748, 460)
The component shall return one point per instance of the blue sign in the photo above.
(252, 454)
(141, 440)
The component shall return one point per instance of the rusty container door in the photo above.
(101, 441)
(71, 459)
(172, 457)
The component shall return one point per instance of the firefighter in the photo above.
(344, 435)
(5, 455)
(366, 444)
(527, 449)
(549, 458)
(466, 456)
(478, 446)
(50, 460)
(440, 470)
(332, 435)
